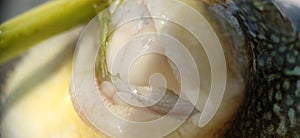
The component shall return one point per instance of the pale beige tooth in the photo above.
(127, 30)
(146, 65)
(191, 44)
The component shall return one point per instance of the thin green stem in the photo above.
(22, 32)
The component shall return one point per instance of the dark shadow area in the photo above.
(8, 10)
(11, 8)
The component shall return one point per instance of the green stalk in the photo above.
(22, 32)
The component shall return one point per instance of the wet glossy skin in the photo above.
(272, 106)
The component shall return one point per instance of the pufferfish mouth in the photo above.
(103, 83)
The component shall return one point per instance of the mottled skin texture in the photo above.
(272, 106)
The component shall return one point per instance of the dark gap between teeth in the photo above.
(166, 103)
(146, 95)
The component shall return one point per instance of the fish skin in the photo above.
(272, 106)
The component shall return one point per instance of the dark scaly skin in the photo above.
(272, 108)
